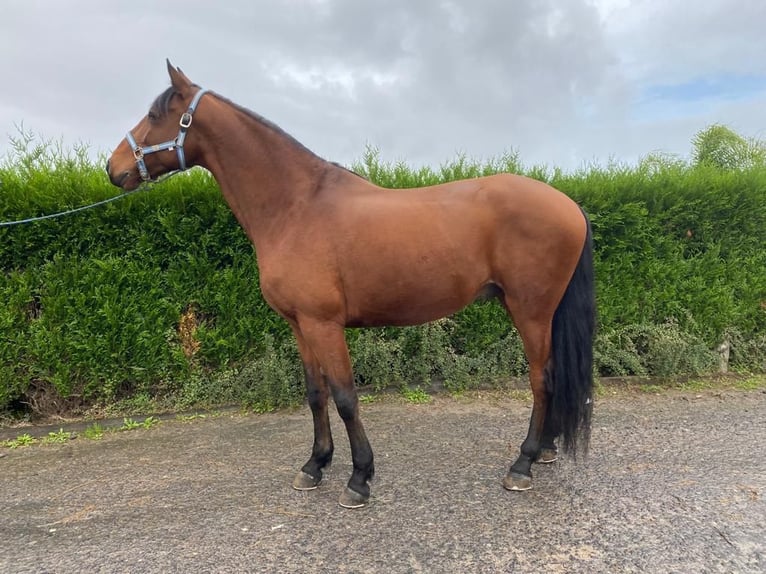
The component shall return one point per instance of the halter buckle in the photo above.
(138, 153)
(186, 120)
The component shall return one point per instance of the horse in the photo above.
(336, 251)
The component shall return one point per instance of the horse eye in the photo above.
(152, 116)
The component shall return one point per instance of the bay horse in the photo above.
(336, 251)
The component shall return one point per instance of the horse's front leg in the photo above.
(317, 392)
(328, 342)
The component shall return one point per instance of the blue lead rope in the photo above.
(61, 213)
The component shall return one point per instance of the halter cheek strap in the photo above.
(176, 144)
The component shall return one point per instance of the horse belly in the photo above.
(412, 294)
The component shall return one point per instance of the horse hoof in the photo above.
(547, 456)
(517, 482)
(351, 499)
(304, 481)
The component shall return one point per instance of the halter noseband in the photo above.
(175, 144)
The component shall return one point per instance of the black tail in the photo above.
(570, 373)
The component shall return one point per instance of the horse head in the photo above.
(158, 145)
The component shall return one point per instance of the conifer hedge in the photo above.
(155, 298)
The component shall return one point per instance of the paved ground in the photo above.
(674, 483)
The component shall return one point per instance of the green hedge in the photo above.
(155, 297)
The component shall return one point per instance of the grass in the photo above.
(20, 441)
(128, 424)
(695, 385)
(58, 437)
(94, 432)
(416, 396)
(699, 384)
(752, 383)
(191, 418)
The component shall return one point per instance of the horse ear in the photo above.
(178, 79)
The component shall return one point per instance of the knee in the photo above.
(346, 403)
(316, 397)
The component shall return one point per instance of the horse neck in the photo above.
(262, 172)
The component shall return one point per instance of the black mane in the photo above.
(162, 102)
(161, 105)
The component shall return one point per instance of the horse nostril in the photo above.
(107, 167)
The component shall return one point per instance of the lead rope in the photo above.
(70, 211)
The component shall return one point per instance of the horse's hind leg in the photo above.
(328, 343)
(548, 449)
(317, 392)
(536, 335)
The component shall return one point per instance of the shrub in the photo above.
(157, 295)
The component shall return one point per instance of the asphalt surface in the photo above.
(674, 483)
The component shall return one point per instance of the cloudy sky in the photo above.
(564, 82)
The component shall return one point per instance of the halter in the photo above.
(174, 144)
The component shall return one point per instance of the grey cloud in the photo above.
(420, 80)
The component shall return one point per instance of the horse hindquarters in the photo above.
(560, 354)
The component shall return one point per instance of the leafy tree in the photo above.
(722, 147)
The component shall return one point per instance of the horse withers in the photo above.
(336, 251)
